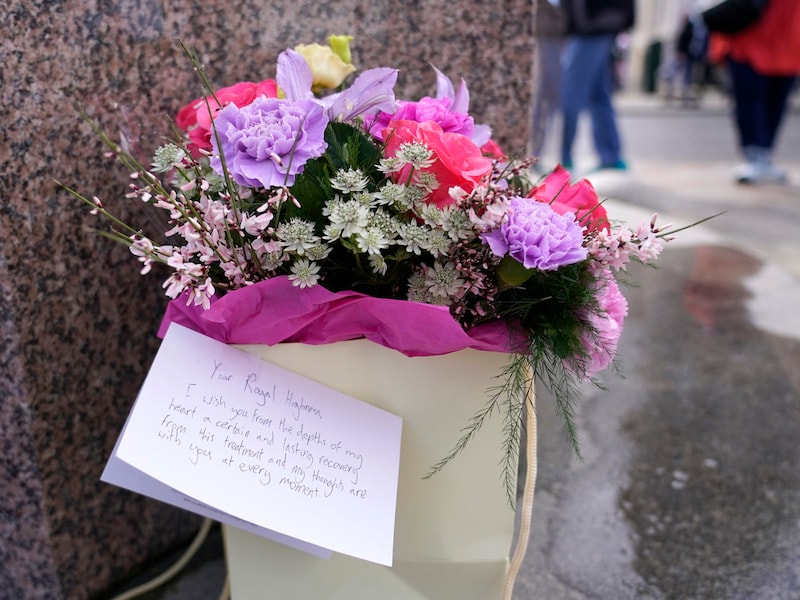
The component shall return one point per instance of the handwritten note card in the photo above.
(238, 437)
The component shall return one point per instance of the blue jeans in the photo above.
(547, 93)
(760, 104)
(588, 83)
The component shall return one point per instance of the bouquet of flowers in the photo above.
(330, 209)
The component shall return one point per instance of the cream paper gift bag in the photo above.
(453, 532)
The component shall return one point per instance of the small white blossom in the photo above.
(304, 274)
(297, 236)
(458, 194)
(365, 197)
(444, 282)
(416, 154)
(174, 285)
(352, 180)
(348, 218)
(233, 272)
(458, 226)
(167, 157)
(331, 232)
(415, 194)
(426, 181)
(318, 251)
(140, 246)
(649, 247)
(413, 237)
(371, 240)
(611, 250)
(378, 264)
(417, 288)
(389, 165)
(392, 194)
(384, 221)
(436, 242)
(432, 215)
(270, 255)
(185, 267)
(201, 294)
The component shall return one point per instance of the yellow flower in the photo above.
(328, 70)
(340, 44)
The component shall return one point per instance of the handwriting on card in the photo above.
(278, 438)
(266, 445)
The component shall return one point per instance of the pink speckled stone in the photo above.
(77, 321)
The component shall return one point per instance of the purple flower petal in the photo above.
(444, 87)
(537, 236)
(267, 143)
(497, 242)
(481, 134)
(294, 76)
(371, 92)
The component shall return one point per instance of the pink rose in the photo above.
(580, 199)
(194, 118)
(458, 162)
(492, 149)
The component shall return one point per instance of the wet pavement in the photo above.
(690, 484)
(689, 487)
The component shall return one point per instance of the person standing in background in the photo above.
(691, 48)
(763, 62)
(588, 75)
(549, 28)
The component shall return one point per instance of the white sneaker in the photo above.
(754, 173)
(746, 173)
(773, 174)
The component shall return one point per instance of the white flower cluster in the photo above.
(236, 243)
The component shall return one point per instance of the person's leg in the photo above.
(601, 109)
(759, 104)
(688, 76)
(749, 90)
(546, 93)
(579, 65)
(778, 91)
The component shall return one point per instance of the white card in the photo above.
(249, 440)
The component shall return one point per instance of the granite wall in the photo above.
(78, 322)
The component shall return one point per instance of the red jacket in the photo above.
(771, 46)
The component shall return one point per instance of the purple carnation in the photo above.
(268, 142)
(537, 236)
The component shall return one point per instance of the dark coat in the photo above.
(591, 17)
(551, 21)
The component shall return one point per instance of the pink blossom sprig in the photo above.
(614, 249)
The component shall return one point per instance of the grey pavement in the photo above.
(689, 487)
(690, 483)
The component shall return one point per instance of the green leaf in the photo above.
(512, 272)
(348, 148)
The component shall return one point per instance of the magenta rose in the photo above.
(458, 162)
(194, 118)
(437, 110)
